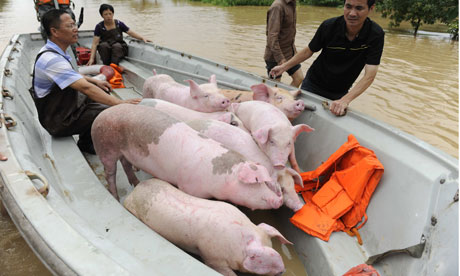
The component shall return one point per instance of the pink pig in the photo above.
(170, 150)
(184, 114)
(204, 97)
(279, 97)
(287, 179)
(243, 143)
(219, 232)
(272, 131)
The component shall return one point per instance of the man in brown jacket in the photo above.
(281, 30)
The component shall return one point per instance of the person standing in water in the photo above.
(349, 43)
(281, 30)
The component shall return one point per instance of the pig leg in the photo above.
(128, 168)
(110, 169)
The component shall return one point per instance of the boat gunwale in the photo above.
(36, 243)
(32, 237)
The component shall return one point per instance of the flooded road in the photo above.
(416, 89)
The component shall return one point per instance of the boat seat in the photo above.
(127, 93)
(134, 76)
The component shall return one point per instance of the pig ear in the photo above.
(261, 259)
(272, 232)
(234, 120)
(226, 117)
(154, 72)
(261, 92)
(234, 107)
(297, 178)
(195, 90)
(250, 173)
(297, 129)
(261, 135)
(212, 79)
(294, 93)
(274, 186)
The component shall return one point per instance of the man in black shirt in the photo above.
(349, 43)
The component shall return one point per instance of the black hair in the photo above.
(105, 7)
(370, 3)
(52, 19)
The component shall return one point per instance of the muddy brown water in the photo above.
(416, 89)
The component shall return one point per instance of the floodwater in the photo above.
(416, 89)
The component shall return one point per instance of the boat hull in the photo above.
(78, 228)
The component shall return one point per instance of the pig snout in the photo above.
(225, 103)
(218, 102)
(275, 202)
(278, 155)
(295, 206)
(291, 199)
(277, 267)
(299, 105)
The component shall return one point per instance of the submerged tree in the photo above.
(419, 12)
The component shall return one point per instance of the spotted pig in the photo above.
(170, 150)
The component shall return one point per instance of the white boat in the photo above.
(56, 195)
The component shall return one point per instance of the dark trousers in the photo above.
(81, 125)
(310, 86)
(111, 53)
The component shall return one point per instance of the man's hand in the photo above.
(104, 85)
(132, 101)
(277, 71)
(338, 107)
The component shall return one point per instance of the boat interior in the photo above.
(79, 228)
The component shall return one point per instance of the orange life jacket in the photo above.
(60, 2)
(362, 270)
(346, 182)
(117, 80)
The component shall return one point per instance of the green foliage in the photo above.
(326, 3)
(418, 12)
(453, 29)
